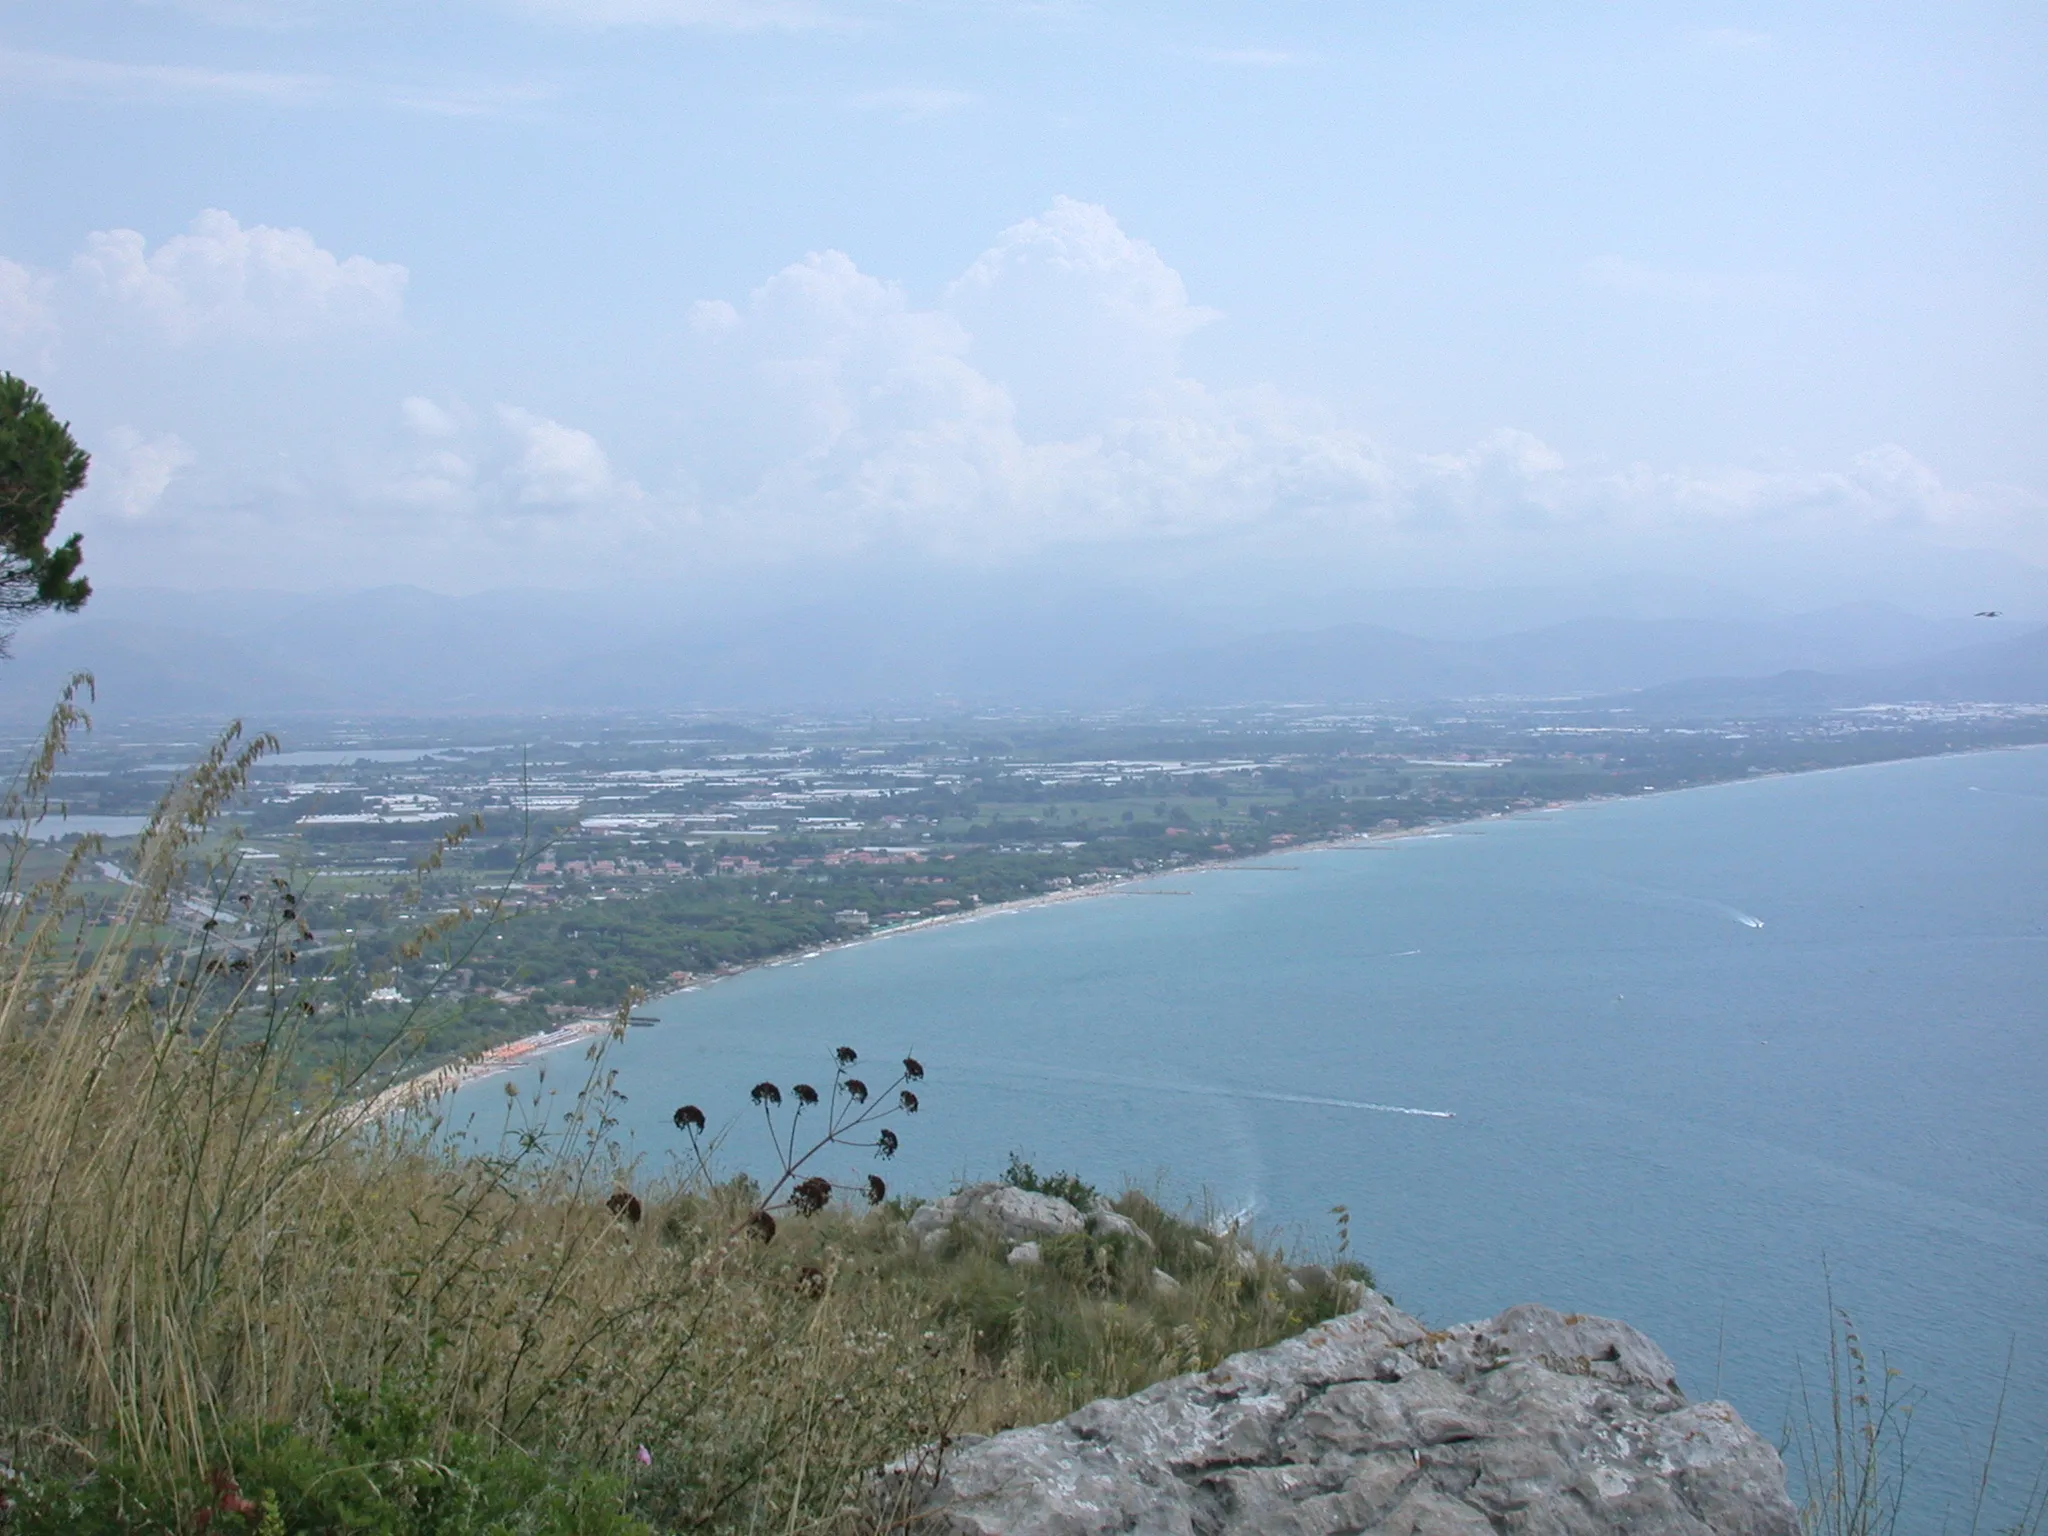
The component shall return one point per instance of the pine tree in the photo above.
(41, 465)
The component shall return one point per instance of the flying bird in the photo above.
(1991, 613)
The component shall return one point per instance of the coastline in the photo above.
(421, 1090)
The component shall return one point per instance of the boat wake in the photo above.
(1217, 1091)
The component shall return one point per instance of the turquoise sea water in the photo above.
(1700, 1049)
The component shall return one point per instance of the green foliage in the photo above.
(41, 465)
(1100, 1264)
(1061, 1186)
(383, 1470)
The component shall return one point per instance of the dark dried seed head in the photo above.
(626, 1205)
(689, 1118)
(877, 1190)
(908, 1100)
(767, 1093)
(847, 1055)
(762, 1226)
(810, 1197)
(856, 1090)
(810, 1281)
(805, 1093)
(886, 1143)
(913, 1068)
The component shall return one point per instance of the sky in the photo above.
(696, 295)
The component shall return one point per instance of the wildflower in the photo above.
(846, 1055)
(913, 1068)
(856, 1090)
(767, 1093)
(908, 1100)
(885, 1142)
(805, 1093)
(644, 1456)
(810, 1197)
(877, 1190)
(689, 1118)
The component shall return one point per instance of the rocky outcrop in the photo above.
(1014, 1215)
(1532, 1422)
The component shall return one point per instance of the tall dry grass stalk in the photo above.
(190, 1239)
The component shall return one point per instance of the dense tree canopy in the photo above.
(41, 464)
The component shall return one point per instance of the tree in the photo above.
(41, 465)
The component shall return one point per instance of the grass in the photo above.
(229, 1300)
(1850, 1448)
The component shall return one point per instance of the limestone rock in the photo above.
(1106, 1221)
(1014, 1215)
(1164, 1283)
(1530, 1422)
(1026, 1254)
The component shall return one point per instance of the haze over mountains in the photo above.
(400, 650)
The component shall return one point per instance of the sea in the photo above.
(1713, 1061)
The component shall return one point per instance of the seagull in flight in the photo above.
(1991, 613)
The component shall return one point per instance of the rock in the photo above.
(1014, 1215)
(1026, 1253)
(1530, 1422)
(1164, 1283)
(1105, 1222)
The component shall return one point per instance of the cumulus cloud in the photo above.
(1074, 317)
(510, 460)
(220, 280)
(1039, 407)
(26, 315)
(1043, 402)
(558, 466)
(132, 471)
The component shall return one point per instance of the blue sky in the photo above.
(527, 292)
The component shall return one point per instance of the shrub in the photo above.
(1061, 1186)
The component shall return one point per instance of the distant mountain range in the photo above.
(403, 651)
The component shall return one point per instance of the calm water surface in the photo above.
(1700, 1050)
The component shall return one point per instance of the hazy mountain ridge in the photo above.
(403, 650)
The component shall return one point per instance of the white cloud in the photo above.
(221, 281)
(428, 419)
(132, 472)
(1043, 404)
(1074, 317)
(72, 77)
(65, 75)
(558, 466)
(26, 317)
(910, 103)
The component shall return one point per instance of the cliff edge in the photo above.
(1531, 1422)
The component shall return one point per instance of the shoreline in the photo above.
(422, 1089)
